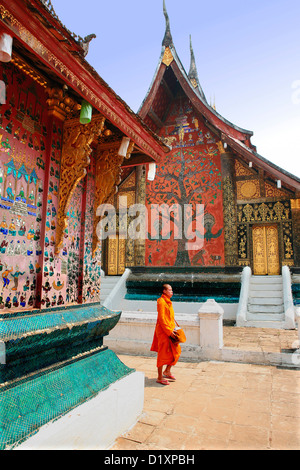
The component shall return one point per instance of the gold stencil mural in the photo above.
(248, 189)
(108, 176)
(265, 250)
(75, 159)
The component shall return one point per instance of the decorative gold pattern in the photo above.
(288, 240)
(139, 244)
(241, 170)
(221, 147)
(248, 189)
(60, 104)
(28, 70)
(264, 212)
(230, 222)
(168, 57)
(265, 250)
(273, 191)
(112, 260)
(295, 204)
(116, 256)
(75, 159)
(243, 241)
(108, 176)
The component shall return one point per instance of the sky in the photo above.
(247, 55)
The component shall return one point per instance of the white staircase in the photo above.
(107, 285)
(266, 301)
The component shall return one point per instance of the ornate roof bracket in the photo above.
(60, 103)
(108, 176)
(74, 161)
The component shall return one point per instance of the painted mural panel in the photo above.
(23, 135)
(189, 175)
(30, 154)
(91, 265)
(53, 276)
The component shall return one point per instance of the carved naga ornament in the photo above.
(108, 177)
(77, 139)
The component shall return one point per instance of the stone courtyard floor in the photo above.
(218, 405)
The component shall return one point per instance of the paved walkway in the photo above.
(220, 406)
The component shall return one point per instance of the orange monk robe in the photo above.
(168, 352)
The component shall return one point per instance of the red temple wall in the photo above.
(189, 174)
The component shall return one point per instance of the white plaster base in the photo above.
(134, 335)
(96, 424)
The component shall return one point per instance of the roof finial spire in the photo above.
(193, 74)
(193, 69)
(167, 41)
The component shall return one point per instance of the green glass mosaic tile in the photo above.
(18, 326)
(31, 404)
(41, 340)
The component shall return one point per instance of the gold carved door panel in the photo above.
(265, 250)
(116, 257)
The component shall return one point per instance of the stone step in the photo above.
(266, 279)
(265, 293)
(266, 287)
(266, 309)
(265, 300)
(266, 324)
(109, 282)
(107, 285)
(106, 290)
(265, 317)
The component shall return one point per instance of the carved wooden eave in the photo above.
(290, 181)
(108, 176)
(77, 139)
(63, 61)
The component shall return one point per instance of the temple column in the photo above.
(295, 207)
(40, 279)
(229, 207)
(57, 113)
(139, 245)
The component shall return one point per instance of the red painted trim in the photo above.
(204, 110)
(79, 75)
(149, 100)
(250, 157)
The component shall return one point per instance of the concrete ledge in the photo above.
(96, 424)
(134, 334)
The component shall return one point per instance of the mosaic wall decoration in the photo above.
(53, 274)
(23, 136)
(30, 156)
(190, 174)
(91, 265)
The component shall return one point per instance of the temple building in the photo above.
(251, 207)
(64, 139)
(192, 202)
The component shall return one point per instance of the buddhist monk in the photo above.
(168, 352)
